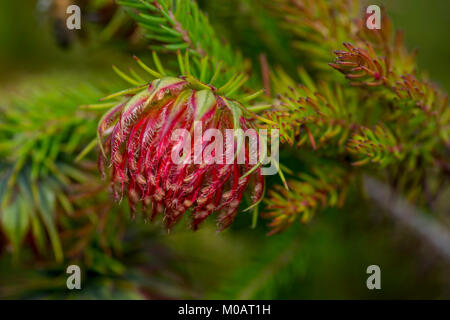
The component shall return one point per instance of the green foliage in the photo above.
(409, 116)
(42, 134)
(324, 187)
(377, 145)
(308, 112)
(317, 26)
(180, 25)
(197, 74)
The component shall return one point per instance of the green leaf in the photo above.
(16, 222)
(47, 207)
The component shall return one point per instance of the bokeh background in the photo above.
(325, 259)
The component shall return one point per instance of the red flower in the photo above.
(136, 139)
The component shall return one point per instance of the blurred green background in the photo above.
(324, 259)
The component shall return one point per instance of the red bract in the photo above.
(136, 141)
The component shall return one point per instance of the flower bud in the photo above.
(137, 141)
